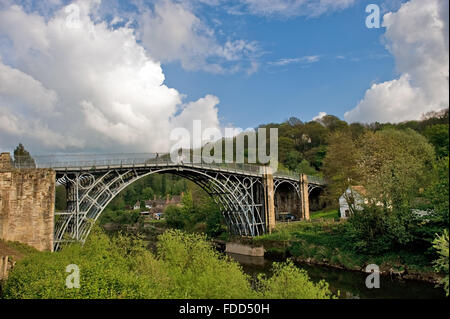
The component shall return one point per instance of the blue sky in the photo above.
(350, 58)
(120, 76)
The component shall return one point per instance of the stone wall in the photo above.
(236, 248)
(27, 205)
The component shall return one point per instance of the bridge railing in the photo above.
(99, 160)
(74, 161)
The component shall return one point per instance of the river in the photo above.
(350, 284)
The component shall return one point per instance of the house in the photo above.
(356, 196)
(137, 206)
(148, 204)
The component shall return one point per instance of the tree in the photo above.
(285, 146)
(333, 123)
(147, 193)
(289, 281)
(305, 168)
(22, 158)
(174, 217)
(341, 165)
(441, 264)
(60, 198)
(357, 130)
(438, 136)
(395, 166)
(437, 193)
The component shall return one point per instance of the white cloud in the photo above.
(290, 8)
(90, 86)
(17, 85)
(417, 36)
(304, 60)
(33, 129)
(319, 116)
(172, 32)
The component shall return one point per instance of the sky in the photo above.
(120, 76)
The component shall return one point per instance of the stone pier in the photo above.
(269, 198)
(27, 204)
(304, 195)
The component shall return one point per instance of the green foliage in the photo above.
(340, 165)
(198, 271)
(120, 217)
(291, 282)
(305, 168)
(441, 264)
(375, 231)
(395, 165)
(438, 136)
(60, 198)
(326, 214)
(104, 265)
(201, 215)
(175, 217)
(186, 266)
(437, 193)
(327, 242)
(147, 188)
(22, 157)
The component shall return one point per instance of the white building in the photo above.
(148, 204)
(355, 194)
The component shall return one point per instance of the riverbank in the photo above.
(316, 242)
(320, 242)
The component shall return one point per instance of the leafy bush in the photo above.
(441, 264)
(120, 217)
(289, 282)
(198, 271)
(186, 266)
(375, 231)
(175, 217)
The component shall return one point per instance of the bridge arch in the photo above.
(239, 197)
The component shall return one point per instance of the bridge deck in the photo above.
(92, 163)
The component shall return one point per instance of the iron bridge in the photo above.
(92, 182)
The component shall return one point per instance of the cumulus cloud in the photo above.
(417, 37)
(17, 85)
(172, 32)
(82, 84)
(295, 7)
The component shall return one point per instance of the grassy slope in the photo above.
(320, 241)
(326, 214)
(15, 250)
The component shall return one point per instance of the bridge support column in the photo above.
(269, 197)
(304, 197)
(27, 204)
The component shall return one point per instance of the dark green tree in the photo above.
(438, 136)
(22, 158)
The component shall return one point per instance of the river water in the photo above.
(350, 284)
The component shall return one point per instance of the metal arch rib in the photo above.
(231, 193)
